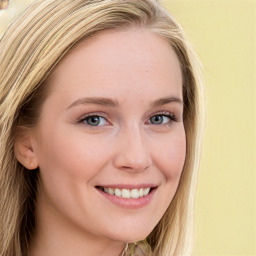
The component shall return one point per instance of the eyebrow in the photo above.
(167, 100)
(113, 103)
(95, 100)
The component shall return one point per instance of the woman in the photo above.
(100, 108)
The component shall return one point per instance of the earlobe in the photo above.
(24, 152)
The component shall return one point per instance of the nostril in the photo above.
(135, 167)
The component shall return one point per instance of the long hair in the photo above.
(29, 50)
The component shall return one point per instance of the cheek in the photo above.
(68, 164)
(171, 162)
(172, 156)
(66, 153)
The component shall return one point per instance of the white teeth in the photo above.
(146, 191)
(141, 192)
(111, 191)
(118, 192)
(135, 193)
(127, 193)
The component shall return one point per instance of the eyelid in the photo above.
(101, 114)
(171, 115)
(163, 113)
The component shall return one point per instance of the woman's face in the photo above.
(112, 123)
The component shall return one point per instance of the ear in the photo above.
(23, 149)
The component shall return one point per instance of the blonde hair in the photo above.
(29, 50)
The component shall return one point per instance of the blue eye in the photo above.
(161, 119)
(95, 120)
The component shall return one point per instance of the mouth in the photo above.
(127, 193)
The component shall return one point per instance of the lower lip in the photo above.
(129, 203)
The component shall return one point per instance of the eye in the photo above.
(162, 119)
(159, 119)
(95, 120)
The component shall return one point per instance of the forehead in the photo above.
(119, 58)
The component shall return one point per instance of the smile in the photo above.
(127, 193)
(128, 196)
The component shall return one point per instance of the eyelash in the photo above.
(169, 115)
(85, 117)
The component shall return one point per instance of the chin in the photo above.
(130, 235)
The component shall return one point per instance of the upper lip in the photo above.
(128, 186)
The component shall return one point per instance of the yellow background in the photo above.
(223, 33)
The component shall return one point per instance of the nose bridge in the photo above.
(132, 151)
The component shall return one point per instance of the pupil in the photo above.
(93, 120)
(156, 119)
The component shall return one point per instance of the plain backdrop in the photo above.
(223, 33)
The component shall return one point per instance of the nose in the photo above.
(132, 153)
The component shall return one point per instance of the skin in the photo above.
(125, 148)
